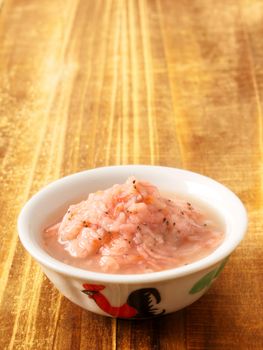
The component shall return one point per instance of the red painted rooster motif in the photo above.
(140, 303)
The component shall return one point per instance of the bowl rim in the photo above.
(39, 254)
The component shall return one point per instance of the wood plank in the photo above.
(93, 83)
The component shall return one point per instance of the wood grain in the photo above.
(91, 83)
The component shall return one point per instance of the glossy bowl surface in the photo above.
(133, 295)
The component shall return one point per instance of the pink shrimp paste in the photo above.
(131, 228)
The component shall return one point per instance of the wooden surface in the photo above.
(91, 83)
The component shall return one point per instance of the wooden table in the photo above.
(91, 83)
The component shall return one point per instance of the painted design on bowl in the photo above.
(140, 303)
(207, 279)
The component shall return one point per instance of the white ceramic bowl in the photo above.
(114, 294)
